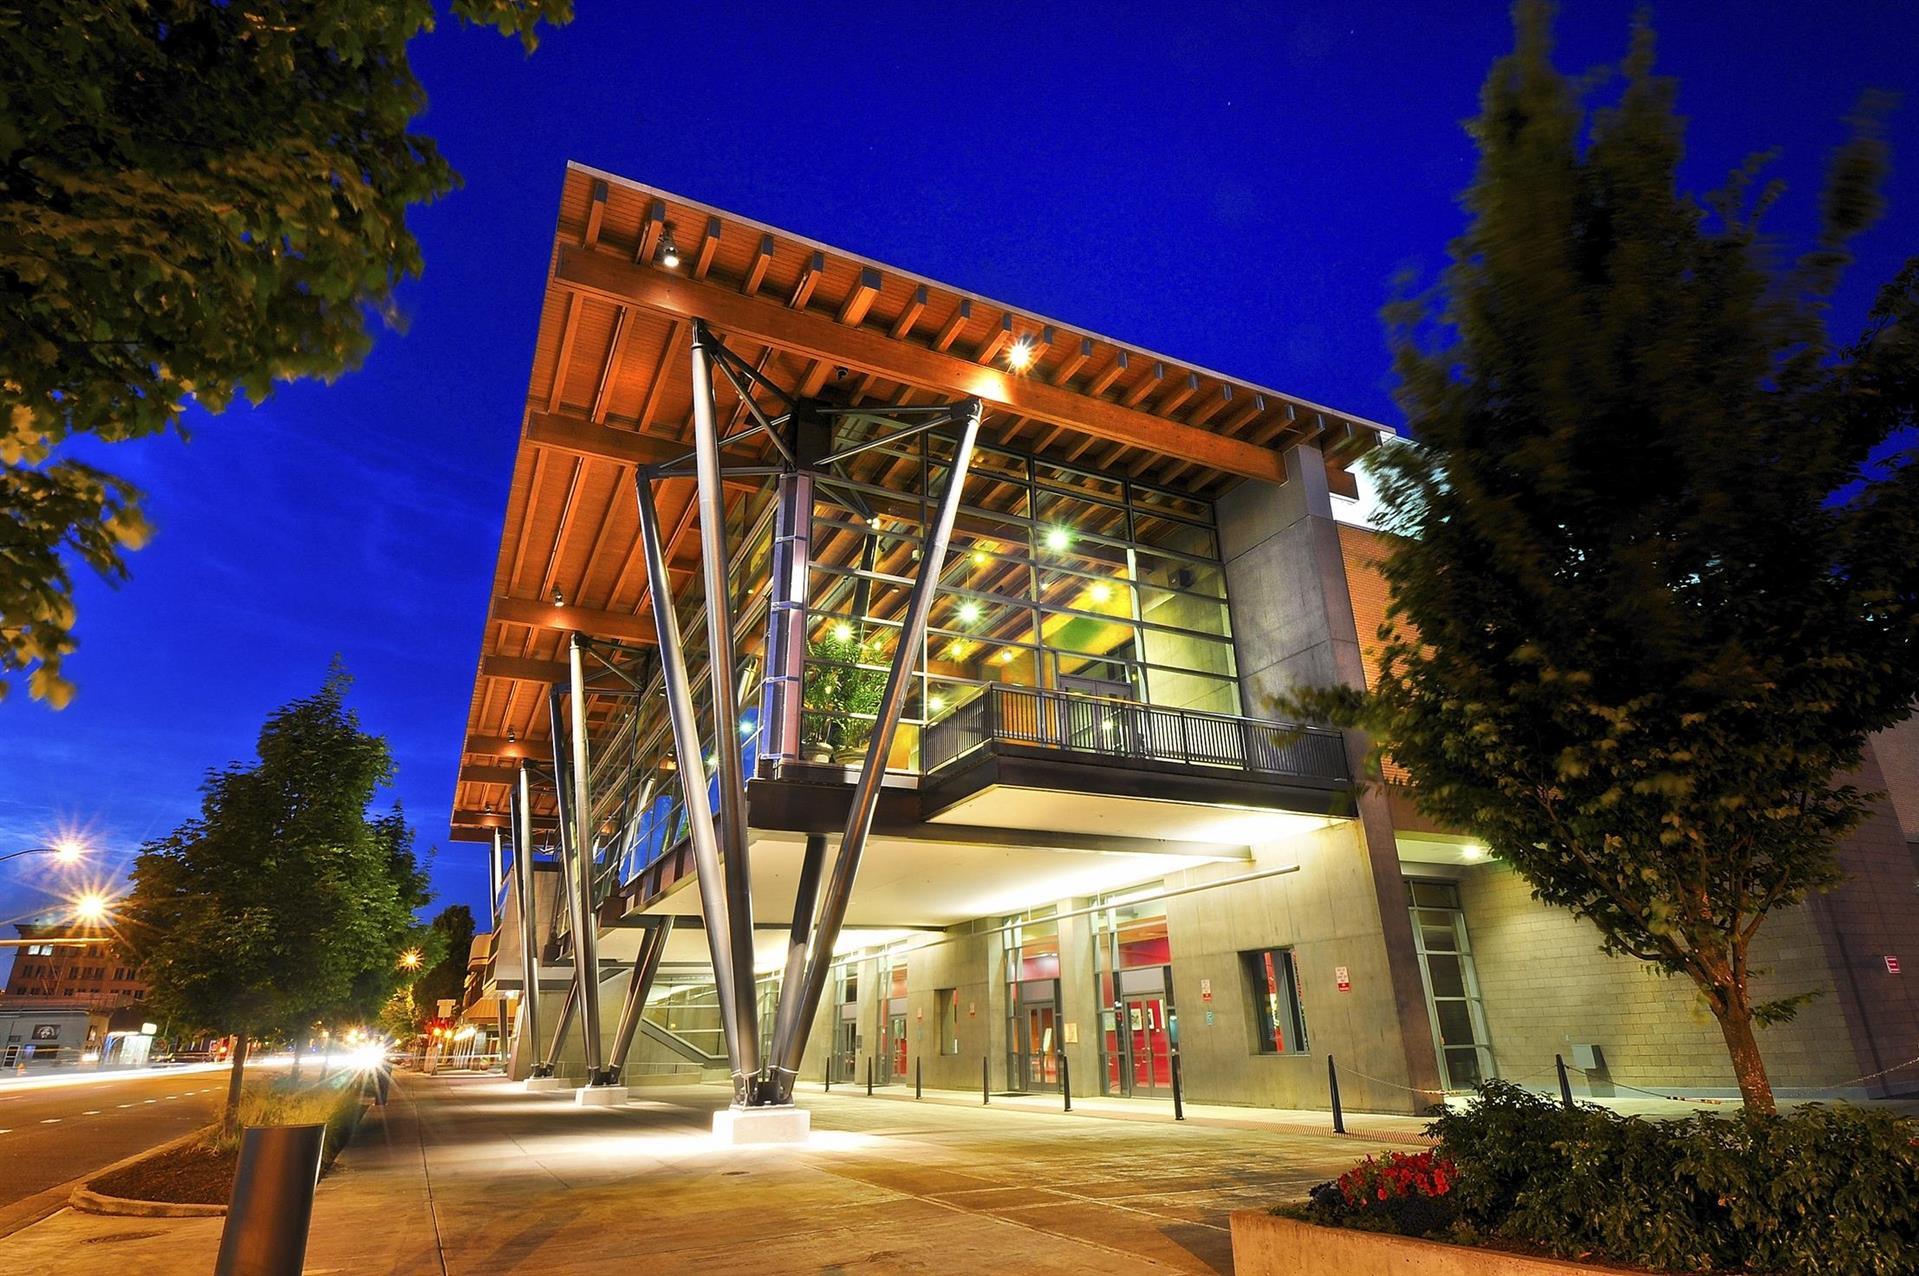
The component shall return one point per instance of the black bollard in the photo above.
(1179, 1103)
(985, 1082)
(383, 1078)
(916, 1078)
(1565, 1086)
(1065, 1081)
(272, 1202)
(1332, 1084)
(829, 1074)
(869, 1076)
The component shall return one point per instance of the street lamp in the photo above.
(91, 907)
(410, 959)
(66, 851)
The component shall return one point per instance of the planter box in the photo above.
(1268, 1245)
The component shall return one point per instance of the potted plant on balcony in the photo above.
(835, 690)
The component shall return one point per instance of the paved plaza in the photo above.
(473, 1175)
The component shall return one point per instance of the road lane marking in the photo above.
(91, 1112)
(123, 1105)
(156, 1100)
(50, 1121)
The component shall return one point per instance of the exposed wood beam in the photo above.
(595, 214)
(1246, 415)
(1072, 362)
(516, 746)
(1147, 384)
(909, 314)
(575, 437)
(657, 382)
(865, 350)
(521, 669)
(473, 773)
(652, 226)
(569, 329)
(1109, 374)
(496, 820)
(709, 244)
(1186, 389)
(961, 314)
(611, 363)
(860, 299)
(809, 280)
(1001, 338)
(595, 624)
(1210, 405)
(756, 273)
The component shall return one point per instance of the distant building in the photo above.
(68, 963)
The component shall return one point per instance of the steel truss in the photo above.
(601, 790)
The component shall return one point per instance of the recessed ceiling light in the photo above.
(1019, 355)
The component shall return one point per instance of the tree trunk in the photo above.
(230, 1118)
(297, 1043)
(1735, 1022)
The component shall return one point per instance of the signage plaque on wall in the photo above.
(1342, 979)
(1205, 990)
(1892, 964)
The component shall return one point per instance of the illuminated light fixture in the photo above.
(1472, 852)
(90, 907)
(512, 738)
(559, 599)
(1019, 355)
(411, 959)
(68, 850)
(1101, 592)
(843, 632)
(969, 612)
(746, 730)
(1007, 656)
(935, 704)
(980, 558)
(669, 251)
(1058, 538)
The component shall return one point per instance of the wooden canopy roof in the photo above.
(611, 391)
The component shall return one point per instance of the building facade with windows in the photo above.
(991, 789)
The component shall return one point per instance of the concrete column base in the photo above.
(600, 1096)
(547, 1084)
(783, 1123)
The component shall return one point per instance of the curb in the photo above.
(88, 1201)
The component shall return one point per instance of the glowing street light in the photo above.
(411, 959)
(66, 852)
(91, 907)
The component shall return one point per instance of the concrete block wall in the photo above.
(1547, 986)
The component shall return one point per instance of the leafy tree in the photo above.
(446, 975)
(283, 901)
(1657, 583)
(196, 200)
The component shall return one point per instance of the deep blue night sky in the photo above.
(1236, 186)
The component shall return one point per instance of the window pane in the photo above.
(1455, 1023)
(1449, 980)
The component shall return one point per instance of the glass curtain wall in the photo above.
(1132, 957)
(1057, 578)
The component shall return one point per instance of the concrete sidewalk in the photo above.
(476, 1176)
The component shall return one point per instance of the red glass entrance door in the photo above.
(1151, 1044)
(1042, 1059)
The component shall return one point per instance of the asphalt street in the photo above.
(51, 1134)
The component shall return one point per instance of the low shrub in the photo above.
(1832, 1190)
(335, 1103)
(1402, 1192)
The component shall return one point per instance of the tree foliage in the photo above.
(284, 901)
(196, 200)
(1658, 578)
(445, 975)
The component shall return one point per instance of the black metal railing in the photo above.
(1120, 729)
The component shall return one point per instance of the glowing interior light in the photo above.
(934, 704)
(669, 251)
(1058, 538)
(969, 612)
(1019, 356)
(1101, 592)
(746, 730)
(843, 632)
(1006, 657)
(980, 558)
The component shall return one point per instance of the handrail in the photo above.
(1072, 723)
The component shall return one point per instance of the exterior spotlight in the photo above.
(1058, 539)
(843, 632)
(511, 738)
(669, 251)
(1019, 355)
(559, 599)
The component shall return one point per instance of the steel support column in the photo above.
(521, 806)
(568, 1006)
(805, 902)
(576, 848)
(494, 867)
(866, 792)
(638, 986)
(721, 674)
(690, 753)
(783, 693)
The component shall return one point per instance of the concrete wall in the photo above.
(1546, 986)
(1896, 750)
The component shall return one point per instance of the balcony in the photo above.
(1123, 732)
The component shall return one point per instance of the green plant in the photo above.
(335, 1103)
(1824, 1190)
(1408, 1193)
(837, 690)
